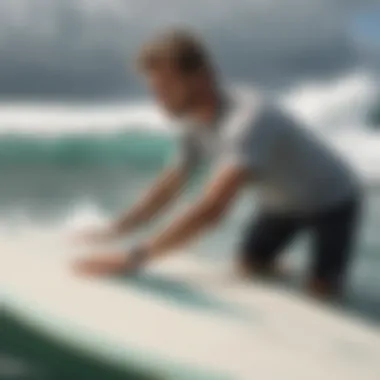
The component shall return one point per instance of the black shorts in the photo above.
(332, 233)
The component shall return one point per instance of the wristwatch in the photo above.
(137, 256)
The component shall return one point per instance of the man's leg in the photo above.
(334, 236)
(263, 241)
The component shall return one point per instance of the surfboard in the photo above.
(184, 318)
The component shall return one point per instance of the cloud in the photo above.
(80, 47)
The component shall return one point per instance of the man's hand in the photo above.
(105, 264)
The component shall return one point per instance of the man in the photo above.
(252, 143)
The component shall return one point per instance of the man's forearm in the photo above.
(184, 228)
(163, 191)
(215, 201)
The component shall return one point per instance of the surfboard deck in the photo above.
(184, 318)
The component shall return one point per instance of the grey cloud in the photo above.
(79, 47)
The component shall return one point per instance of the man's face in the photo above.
(173, 90)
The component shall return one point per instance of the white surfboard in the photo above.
(184, 319)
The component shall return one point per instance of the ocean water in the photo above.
(78, 177)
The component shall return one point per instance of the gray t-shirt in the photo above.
(294, 170)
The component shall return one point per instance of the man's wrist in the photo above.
(138, 255)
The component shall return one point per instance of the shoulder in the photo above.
(250, 113)
(244, 103)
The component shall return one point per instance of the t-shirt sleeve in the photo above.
(253, 140)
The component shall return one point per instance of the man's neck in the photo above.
(207, 108)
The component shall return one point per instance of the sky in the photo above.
(367, 24)
(85, 48)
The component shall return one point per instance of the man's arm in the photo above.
(218, 196)
(164, 190)
(205, 213)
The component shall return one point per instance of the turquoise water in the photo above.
(46, 175)
(47, 179)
